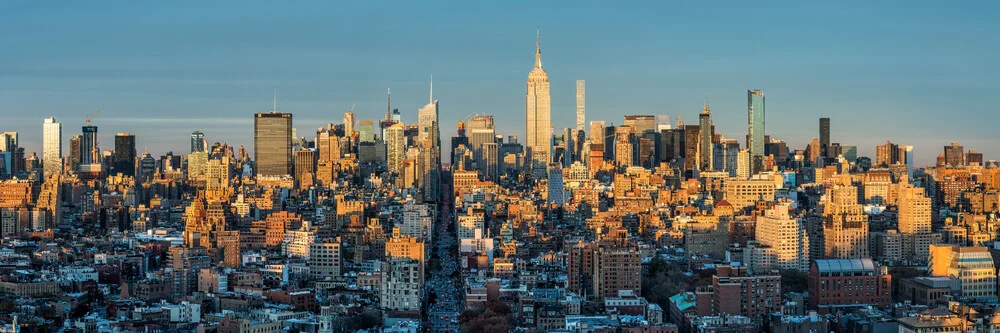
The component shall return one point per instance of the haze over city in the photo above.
(913, 72)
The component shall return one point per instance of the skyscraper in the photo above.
(824, 138)
(123, 159)
(395, 148)
(349, 121)
(272, 142)
(705, 140)
(197, 141)
(538, 110)
(755, 129)
(954, 155)
(430, 138)
(52, 147)
(581, 99)
(75, 149)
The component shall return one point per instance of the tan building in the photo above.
(914, 222)
(325, 258)
(538, 110)
(743, 193)
(781, 241)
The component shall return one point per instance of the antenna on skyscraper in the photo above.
(275, 109)
(388, 100)
(432, 89)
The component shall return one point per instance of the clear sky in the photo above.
(923, 73)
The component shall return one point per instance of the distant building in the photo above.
(273, 143)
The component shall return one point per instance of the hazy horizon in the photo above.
(163, 70)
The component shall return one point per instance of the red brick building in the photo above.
(835, 284)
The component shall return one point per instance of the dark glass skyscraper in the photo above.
(272, 142)
(123, 160)
(824, 138)
(755, 129)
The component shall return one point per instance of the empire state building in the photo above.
(537, 110)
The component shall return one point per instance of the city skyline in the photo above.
(163, 94)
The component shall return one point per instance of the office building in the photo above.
(640, 123)
(581, 98)
(781, 241)
(954, 155)
(350, 122)
(538, 124)
(325, 258)
(970, 269)
(75, 152)
(52, 162)
(707, 132)
(197, 141)
(305, 168)
(395, 148)
(123, 159)
(755, 129)
(914, 222)
(272, 143)
(824, 138)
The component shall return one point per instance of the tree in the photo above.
(793, 280)
(491, 317)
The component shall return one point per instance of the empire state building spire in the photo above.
(538, 107)
(538, 48)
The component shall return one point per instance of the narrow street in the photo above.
(448, 304)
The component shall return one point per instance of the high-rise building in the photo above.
(272, 143)
(640, 123)
(305, 168)
(781, 241)
(123, 159)
(538, 124)
(395, 148)
(557, 190)
(75, 150)
(914, 223)
(429, 137)
(581, 98)
(349, 123)
(705, 154)
(755, 129)
(197, 141)
(596, 132)
(52, 147)
(954, 155)
(824, 138)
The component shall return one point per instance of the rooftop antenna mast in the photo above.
(432, 90)
(275, 109)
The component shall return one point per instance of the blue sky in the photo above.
(920, 73)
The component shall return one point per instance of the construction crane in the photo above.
(678, 122)
(352, 107)
(91, 117)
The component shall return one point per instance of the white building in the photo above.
(418, 221)
(184, 312)
(402, 285)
